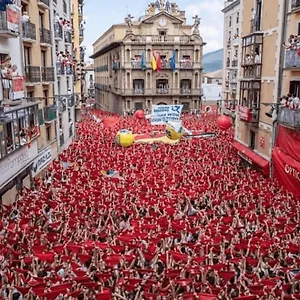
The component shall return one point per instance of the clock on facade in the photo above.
(162, 22)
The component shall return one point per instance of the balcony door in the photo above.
(295, 88)
(41, 20)
(27, 52)
(43, 59)
(138, 85)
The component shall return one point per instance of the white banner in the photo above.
(43, 159)
(165, 113)
(15, 162)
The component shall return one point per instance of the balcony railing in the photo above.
(29, 31)
(62, 104)
(45, 36)
(138, 91)
(289, 117)
(185, 65)
(44, 2)
(5, 28)
(50, 113)
(62, 69)
(47, 74)
(252, 71)
(136, 65)
(58, 32)
(162, 91)
(33, 74)
(186, 91)
(292, 59)
(295, 4)
(255, 24)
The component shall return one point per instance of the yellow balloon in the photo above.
(125, 138)
(174, 131)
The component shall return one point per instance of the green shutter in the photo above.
(41, 117)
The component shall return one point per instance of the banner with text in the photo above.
(165, 113)
(13, 17)
(43, 159)
(286, 171)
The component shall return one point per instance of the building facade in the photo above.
(89, 81)
(63, 61)
(155, 60)
(27, 127)
(260, 79)
(231, 55)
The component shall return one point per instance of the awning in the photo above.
(251, 157)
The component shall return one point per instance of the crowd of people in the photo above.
(187, 221)
(290, 101)
(64, 63)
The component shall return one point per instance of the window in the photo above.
(230, 21)
(162, 32)
(68, 84)
(186, 106)
(30, 95)
(45, 95)
(48, 133)
(237, 18)
(91, 77)
(298, 32)
(138, 105)
(65, 7)
(252, 139)
(41, 20)
(237, 32)
(27, 52)
(43, 59)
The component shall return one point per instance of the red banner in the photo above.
(286, 171)
(244, 113)
(288, 141)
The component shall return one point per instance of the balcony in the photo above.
(248, 114)
(295, 5)
(165, 65)
(50, 114)
(62, 104)
(29, 32)
(33, 74)
(44, 3)
(235, 42)
(45, 36)
(162, 91)
(58, 32)
(137, 65)
(186, 65)
(7, 30)
(289, 117)
(255, 25)
(68, 37)
(47, 74)
(292, 59)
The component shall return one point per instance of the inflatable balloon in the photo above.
(224, 122)
(139, 114)
(124, 138)
(174, 130)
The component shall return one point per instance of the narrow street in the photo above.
(183, 221)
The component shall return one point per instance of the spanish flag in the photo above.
(153, 62)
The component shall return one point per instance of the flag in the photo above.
(67, 165)
(144, 65)
(158, 63)
(153, 62)
(173, 61)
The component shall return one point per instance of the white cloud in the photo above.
(211, 26)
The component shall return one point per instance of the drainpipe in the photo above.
(283, 35)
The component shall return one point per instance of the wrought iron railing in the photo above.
(29, 31)
(45, 36)
(47, 74)
(33, 74)
(289, 117)
(58, 32)
(49, 113)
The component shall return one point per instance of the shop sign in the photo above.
(43, 159)
(14, 163)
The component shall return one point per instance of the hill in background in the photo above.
(213, 61)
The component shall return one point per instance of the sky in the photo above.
(101, 14)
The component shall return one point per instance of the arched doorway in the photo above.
(161, 103)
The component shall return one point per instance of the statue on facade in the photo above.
(175, 9)
(168, 6)
(196, 24)
(128, 20)
(150, 9)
